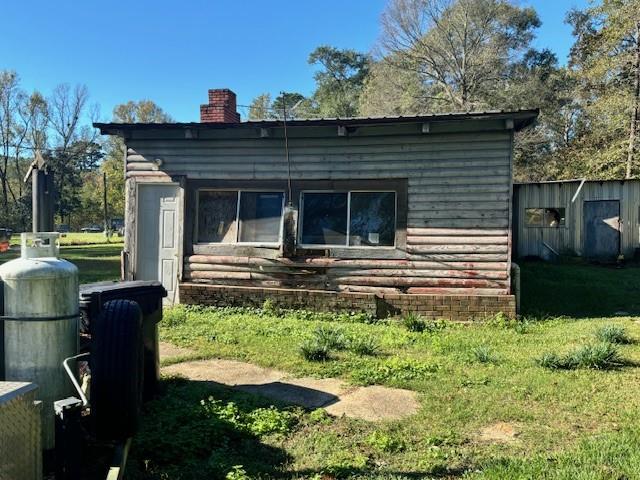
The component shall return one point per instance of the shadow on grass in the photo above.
(198, 430)
(180, 439)
(579, 289)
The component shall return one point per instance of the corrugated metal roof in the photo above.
(577, 180)
(521, 119)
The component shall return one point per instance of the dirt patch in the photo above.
(500, 432)
(167, 350)
(368, 403)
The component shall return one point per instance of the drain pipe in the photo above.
(515, 284)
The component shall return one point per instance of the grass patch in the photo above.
(570, 423)
(413, 322)
(613, 334)
(597, 356)
(484, 354)
(95, 262)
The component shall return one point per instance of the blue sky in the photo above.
(171, 52)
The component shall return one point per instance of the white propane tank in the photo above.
(40, 322)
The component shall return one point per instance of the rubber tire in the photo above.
(117, 370)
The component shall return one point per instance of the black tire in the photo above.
(116, 370)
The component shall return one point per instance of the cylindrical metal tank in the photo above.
(40, 321)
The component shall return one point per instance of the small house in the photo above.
(385, 215)
(588, 218)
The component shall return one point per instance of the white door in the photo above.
(157, 235)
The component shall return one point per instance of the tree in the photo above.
(390, 91)
(461, 49)
(340, 80)
(260, 108)
(605, 61)
(143, 111)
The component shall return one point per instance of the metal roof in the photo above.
(578, 180)
(521, 119)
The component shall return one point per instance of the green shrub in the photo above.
(314, 350)
(483, 354)
(269, 307)
(413, 322)
(598, 356)
(613, 334)
(364, 346)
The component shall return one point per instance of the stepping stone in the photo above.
(372, 403)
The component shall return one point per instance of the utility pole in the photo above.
(104, 203)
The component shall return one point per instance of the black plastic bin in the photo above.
(148, 295)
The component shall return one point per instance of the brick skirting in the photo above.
(449, 307)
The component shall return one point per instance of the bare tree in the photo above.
(461, 48)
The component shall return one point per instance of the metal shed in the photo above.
(590, 218)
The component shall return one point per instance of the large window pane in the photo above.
(324, 219)
(373, 218)
(217, 213)
(553, 217)
(260, 216)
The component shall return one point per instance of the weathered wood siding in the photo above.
(568, 239)
(458, 182)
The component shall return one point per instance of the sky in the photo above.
(171, 52)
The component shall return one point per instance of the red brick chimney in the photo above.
(221, 107)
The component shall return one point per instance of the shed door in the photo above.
(157, 236)
(601, 228)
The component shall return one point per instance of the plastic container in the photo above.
(148, 295)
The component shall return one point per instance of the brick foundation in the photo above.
(448, 307)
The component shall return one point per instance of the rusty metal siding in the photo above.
(569, 239)
(458, 204)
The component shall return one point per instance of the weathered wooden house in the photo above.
(594, 219)
(376, 214)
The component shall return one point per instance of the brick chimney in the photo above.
(221, 107)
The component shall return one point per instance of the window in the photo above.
(544, 217)
(348, 219)
(239, 216)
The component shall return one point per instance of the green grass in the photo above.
(576, 423)
(95, 262)
(78, 238)
(579, 290)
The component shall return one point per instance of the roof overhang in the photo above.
(515, 120)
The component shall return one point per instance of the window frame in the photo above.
(542, 225)
(238, 200)
(311, 246)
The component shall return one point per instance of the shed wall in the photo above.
(568, 239)
(457, 216)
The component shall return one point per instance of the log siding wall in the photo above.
(455, 225)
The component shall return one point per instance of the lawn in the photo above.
(489, 409)
(96, 260)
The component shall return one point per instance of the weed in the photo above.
(597, 356)
(319, 416)
(393, 369)
(174, 316)
(484, 354)
(613, 334)
(259, 422)
(413, 322)
(314, 351)
(237, 472)
(384, 442)
(333, 338)
(364, 346)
